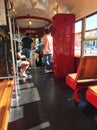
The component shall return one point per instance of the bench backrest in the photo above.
(87, 68)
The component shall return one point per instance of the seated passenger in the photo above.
(22, 63)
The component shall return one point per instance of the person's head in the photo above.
(23, 58)
(28, 34)
(46, 31)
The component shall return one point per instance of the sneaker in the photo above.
(50, 71)
(23, 75)
(47, 71)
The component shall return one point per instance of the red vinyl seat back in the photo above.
(87, 68)
(86, 73)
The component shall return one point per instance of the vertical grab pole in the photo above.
(13, 58)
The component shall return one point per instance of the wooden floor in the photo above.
(45, 103)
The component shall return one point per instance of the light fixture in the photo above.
(13, 9)
(9, 5)
(30, 22)
(55, 12)
(56, 8)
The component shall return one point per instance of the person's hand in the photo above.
(41, 53)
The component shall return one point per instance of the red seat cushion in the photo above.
(71, 80)
(91, 95)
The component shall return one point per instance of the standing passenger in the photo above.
(27, 44)
(47, 48)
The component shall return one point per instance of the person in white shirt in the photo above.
(47, 48)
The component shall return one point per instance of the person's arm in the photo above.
(43, 42)
(19, 55)
(42, 45)
(22, 43)
(33, 45)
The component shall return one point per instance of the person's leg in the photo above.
(24, 66)
(48, 63)
(45, 61)
(27, 52)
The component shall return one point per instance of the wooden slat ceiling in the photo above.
(46, 9)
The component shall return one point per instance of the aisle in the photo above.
(45, 102)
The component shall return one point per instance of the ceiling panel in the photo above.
(47, 8)
(41, 8)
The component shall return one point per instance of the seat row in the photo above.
(84, 78)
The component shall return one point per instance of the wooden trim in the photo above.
(6, 88)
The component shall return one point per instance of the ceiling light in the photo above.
(55, 12)
(43, 0)
(9, 5)
(30, 22)
(56, 8)
(13, 9)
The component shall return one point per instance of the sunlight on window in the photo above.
(78, 26)
(91, 22)
(77, 47)
(43, 0)
(90, 42)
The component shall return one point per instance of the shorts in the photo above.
(26, 52)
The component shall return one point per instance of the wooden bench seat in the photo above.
(86, 75)
(6, 88)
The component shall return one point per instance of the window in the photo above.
(90, 42)
(78, 30)
(91, 27)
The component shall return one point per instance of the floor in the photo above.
(45, 103)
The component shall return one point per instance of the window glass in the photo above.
(91, 22)
(90, 43)
(78, 26)
(90, 47)
(78, 30)
(91, 34)
(91, 27)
